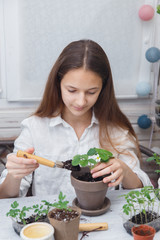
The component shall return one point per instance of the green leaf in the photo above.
(60, 195)
(84, 163)
(158, 9)
(14, 204)
(150, 159)
(84, 157)
(91, 152)
(61, 204)
(144, 211)
(76, 160)
(104, 154)
(91, 160)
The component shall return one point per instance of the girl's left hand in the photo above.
(115, 167)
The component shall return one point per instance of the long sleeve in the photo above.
(126, 146)
(23, 142)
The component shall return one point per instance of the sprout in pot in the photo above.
(141, 207)
(90, 192)
(155, 158)
(88, 160)
(64, 219)
(26, 215)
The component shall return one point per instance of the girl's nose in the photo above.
(81, 99)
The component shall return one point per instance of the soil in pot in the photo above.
(63, 215)
(143, 218)
(87, 177)
(65, 223)
(143, 232)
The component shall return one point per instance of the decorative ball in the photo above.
(144, 121)
(153, 54)
(146, 12)
(143, 89)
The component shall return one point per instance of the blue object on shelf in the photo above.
(144, 121)
(153, 54)
(143, 89)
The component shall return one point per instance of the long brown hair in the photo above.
(89, 55)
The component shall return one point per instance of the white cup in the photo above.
(37, 231)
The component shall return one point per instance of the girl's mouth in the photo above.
(78, 108)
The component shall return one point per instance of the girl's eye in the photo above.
(91, 92)
(71, 91)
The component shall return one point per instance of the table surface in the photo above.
(113, 217)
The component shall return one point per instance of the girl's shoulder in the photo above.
(34, 121)
(116, 132)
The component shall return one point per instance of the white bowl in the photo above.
(37, 231)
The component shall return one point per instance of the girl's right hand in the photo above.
(19, 167)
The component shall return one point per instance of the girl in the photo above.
(78, 111)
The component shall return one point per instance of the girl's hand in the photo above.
(114, 166)
(19, 167)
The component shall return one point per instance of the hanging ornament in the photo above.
(144, 121)
(143, 89)
(153, 54)
(146, 12)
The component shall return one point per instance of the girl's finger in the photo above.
(23, 172)
(100, 166)
(21, 166)
(113, 176)
(20, 160)
(106, 169)
(117, 182)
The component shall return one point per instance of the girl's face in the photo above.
(80, 89)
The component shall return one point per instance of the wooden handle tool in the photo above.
(40, 160)
(87, 227)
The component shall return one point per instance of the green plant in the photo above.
(61, 204)
(155, 158)
(158, 9)
(141, 202)
(86, 160)
(20, 214)
(17, 213)
(41, 210)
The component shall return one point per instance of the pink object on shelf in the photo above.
(146, 12)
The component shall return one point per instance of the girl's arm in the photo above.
(17, 169)
(10, 187)
(125, 169)
(120, 173)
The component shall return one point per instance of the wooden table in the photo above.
(113, 217)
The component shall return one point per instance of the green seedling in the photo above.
(42, 209)
(20, 214)
(17, 213)
(140, 202)
(62, 204)
(86, 160)
(155, 158)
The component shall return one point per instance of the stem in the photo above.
(141, 214)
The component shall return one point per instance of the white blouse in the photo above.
(54, 139)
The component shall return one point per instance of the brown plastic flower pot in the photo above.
(143, 232)
(90, 195)
(66, 230)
